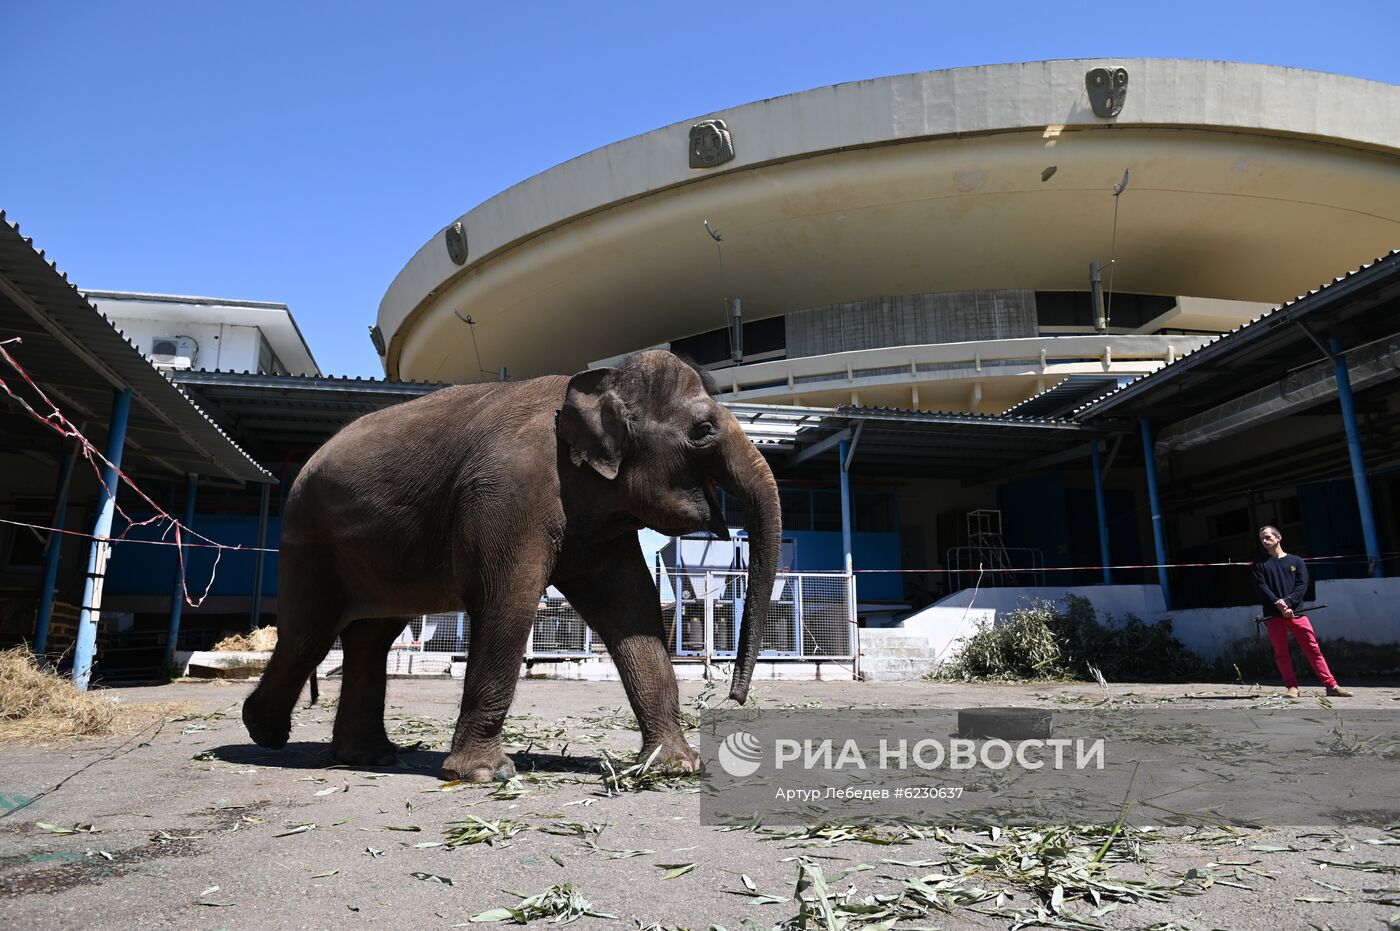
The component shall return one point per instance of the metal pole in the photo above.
(1358, 464)
(259, 557)
(736, 331)
(1159, 531)
(86, 648)
(53, 550)
(845, 508)
(1103, 512)
(1096, 296)
(844, 464)
(177, 597)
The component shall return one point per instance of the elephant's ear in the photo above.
(593, 422)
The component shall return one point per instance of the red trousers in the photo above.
(1307, 642)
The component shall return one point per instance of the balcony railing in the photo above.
(1127, 354)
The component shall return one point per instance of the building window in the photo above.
(268, 363)
(767, 337)
(1076, 309)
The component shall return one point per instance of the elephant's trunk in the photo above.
(746, 475)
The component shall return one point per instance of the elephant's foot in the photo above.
(469, 765)
(371, 750)
(675, 757)
(267, 728)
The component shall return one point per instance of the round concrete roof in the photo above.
(1248, 182)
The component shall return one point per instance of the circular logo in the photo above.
(740, 754)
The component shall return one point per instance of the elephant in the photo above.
(478, 497)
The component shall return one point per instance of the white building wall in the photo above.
(1357, 609)
(221, 347)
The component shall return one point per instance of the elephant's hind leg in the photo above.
(359, 736)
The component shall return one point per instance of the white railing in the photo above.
(1037, 355)
(811, 616)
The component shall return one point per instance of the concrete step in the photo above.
(909, 668)
(912, 652)
(883, 639)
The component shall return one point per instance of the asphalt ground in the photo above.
(187, 824)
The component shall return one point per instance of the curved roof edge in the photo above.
(986, 99)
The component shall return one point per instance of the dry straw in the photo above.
(39, 705)
(262, 640)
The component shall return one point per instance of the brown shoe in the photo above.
(1337, 691)
(1291, 693)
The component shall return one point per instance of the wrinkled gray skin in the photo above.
(476, 498)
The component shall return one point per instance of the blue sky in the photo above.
(303, 151)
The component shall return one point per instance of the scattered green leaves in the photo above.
(474, 830)
(561, 903)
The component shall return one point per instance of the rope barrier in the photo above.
(56, 421)
(980, 570)
(78, 533)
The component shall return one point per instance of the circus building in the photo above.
(1005, 332)
(956, 240)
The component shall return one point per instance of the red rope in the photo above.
(56, 421)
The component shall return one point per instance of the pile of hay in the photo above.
(262, 640)
(39, 705)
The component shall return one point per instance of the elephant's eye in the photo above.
(703, 432)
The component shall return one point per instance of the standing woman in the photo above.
(1281, 580)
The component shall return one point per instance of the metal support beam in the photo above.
(1358, 463)
(1159, 531)
(1327, 351)
(845, 510)
(1112, 454)
(85, 650)
(819, 447)
(264, 497)
(53, 552)
(851, 453)
(1104, 560)
(177, 597)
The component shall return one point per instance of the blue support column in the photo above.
(259, 557)
(1159, 531)
(845, 506)
(1097, 465)
(177, 597)
(53, 550)
(86, 648)
(1358, 464)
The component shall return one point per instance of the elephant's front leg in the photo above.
(497, 646)
(618, 600)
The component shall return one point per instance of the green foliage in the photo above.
(1040, 641)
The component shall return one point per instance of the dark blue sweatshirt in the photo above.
(1283, 577)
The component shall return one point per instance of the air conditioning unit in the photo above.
(174, 352)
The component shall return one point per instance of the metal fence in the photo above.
(811, 616)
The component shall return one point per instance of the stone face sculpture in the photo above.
(456, 239)
(1107, 89)
(710, 144)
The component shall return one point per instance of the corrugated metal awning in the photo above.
(79, 358)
